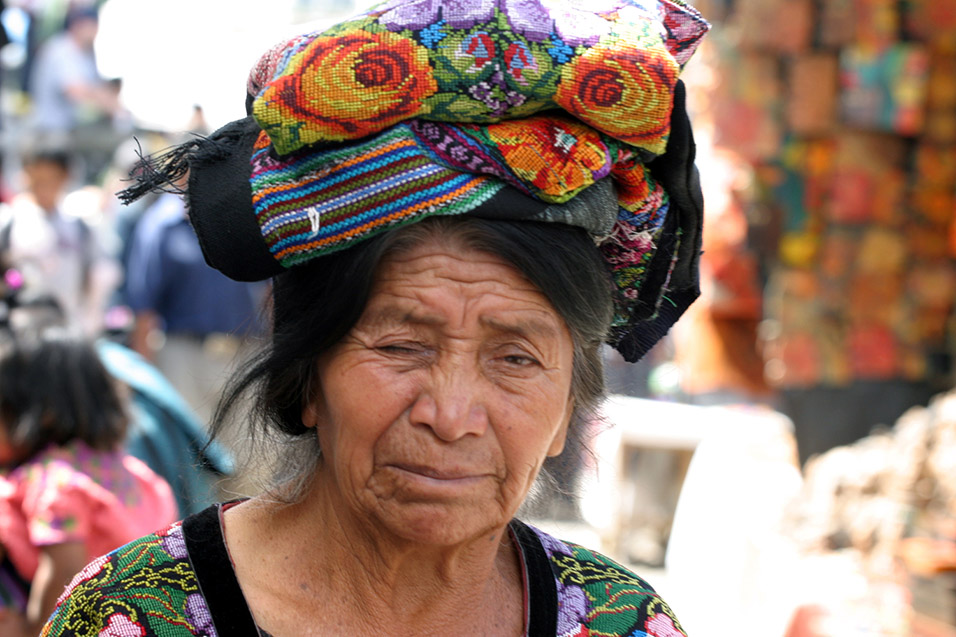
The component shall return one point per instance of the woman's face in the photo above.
(437, 409)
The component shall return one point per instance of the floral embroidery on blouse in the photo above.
(599, 598)
(146, 588)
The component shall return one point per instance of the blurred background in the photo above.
(787, 455)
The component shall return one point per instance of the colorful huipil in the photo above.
(181, 583)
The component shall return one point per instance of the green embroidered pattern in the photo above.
(598, 597)
(144, 589)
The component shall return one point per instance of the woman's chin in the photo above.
(439, 525)
(441, 511)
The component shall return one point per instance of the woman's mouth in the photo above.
(439, 476)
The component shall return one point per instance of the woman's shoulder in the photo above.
(146, 587)
(596, 593)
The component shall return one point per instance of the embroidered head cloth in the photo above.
(520, 109)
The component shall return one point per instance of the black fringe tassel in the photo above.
(161, 171)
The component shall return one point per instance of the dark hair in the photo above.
(49, 155)
(317, 303)
(80, 13)
(54, 390)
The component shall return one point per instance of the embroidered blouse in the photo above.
(180, 583)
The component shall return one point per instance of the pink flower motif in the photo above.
(518, 58)
(684, 30)
(626, 247)
(122, 626)
(661, 625)
(481, 47)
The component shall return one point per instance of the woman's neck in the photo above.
(291, 555)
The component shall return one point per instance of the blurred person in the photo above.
(53, 251)
(32, 13)
(193, 322)
(43, 20)
(122, 220)
(67, 88)
(68, 492)
(73, 104)
(4, 41)
(163, 431)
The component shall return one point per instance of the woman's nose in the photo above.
(450, 403)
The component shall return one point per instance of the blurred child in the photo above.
(56, 252)
(68, 492)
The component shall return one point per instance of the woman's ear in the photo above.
(310, 402)
(561, 435)
(309, 414)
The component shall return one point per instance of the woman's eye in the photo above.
(401, 348)
(520, 360)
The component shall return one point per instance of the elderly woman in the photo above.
(457, 204)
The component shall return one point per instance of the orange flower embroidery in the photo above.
(626, 92)
(345, 87)
(556, 156)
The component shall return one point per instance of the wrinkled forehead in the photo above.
(526, 323)
(429, 282)
(449, 263)
(426, 247)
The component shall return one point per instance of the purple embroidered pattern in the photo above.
(597, 596)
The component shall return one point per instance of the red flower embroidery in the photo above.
(556, 156)
(345, 87)
(626, 92)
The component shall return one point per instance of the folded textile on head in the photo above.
(613, 65)
(520, 109)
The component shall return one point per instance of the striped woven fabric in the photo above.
(321, 202)
(313, 203)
